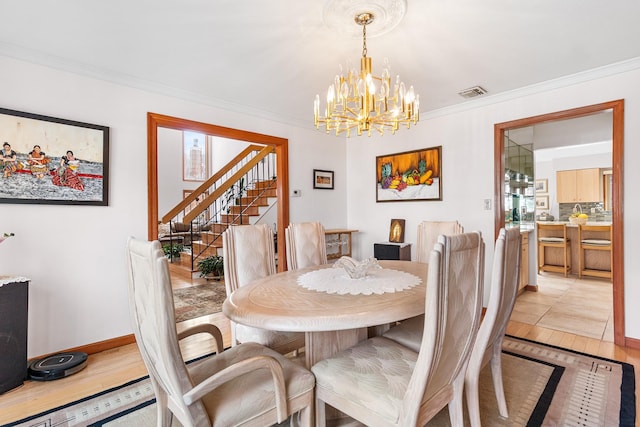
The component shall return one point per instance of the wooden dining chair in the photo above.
(380, 382)
(246, 385)
(488, 345)
(248, 255)
(595, 238)
(305, 244)
(554, 237)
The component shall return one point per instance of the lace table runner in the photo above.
(377, 281)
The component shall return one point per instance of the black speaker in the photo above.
(392, 251)
(14, 300)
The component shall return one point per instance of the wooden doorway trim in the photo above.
(617, 107)
(281, 145)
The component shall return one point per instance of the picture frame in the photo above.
(69, 167)
(396, 231)
(195, 165)
(542, 202)
(541, 186)
(410, 176)
(322, 179)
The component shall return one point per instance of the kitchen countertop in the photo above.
(574, 225)
(524, 228)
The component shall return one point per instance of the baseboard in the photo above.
(99, 346)
(632, 343)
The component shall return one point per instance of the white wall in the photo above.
(467, 138)
(74, 255)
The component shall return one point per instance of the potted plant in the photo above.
(211, 266)
(172, 250)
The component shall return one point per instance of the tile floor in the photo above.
(579, 306)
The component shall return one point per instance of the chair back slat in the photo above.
(428, 232)
(306, 246)
(248, 254)
(453, 303)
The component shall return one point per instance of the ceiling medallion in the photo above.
(338, 15)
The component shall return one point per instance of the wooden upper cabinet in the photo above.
(578, 186)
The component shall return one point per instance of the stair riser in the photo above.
(267, 193)
(265, 184)
(255, 201)
(234, 219)
(206, 251)
(252, 210)
(213, 238)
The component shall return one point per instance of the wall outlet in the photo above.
(296, 193)
(487, 204)
(593, 211)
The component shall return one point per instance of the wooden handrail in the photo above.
(208, 183)
(193, 214)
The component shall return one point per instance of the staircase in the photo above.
(241, 192)
(249, 211)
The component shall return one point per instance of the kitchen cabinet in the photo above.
(578, 186)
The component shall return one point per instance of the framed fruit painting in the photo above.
(410, 175)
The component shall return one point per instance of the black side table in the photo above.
(392, 251)
(14, 299)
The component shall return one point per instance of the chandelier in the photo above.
(364, 102)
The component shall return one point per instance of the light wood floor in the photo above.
(580, 306)
(115, 367)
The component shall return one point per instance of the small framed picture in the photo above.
(322, 179)
(542, 186)
(542, 202)
(396, 231)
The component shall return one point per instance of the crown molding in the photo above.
(51, 61)
(561, 82)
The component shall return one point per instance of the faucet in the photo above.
(577, 208)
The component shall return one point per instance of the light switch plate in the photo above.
(487, 204)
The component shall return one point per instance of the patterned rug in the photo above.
(544, 386)
(200, 300)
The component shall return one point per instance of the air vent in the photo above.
(472, 92)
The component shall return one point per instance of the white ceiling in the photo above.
(270, 58)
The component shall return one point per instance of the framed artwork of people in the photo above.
(48, 160)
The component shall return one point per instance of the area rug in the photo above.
(544, 386)
(200, 300)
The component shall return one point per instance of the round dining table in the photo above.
(330, 321)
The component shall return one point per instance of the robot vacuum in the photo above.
(57, 366)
